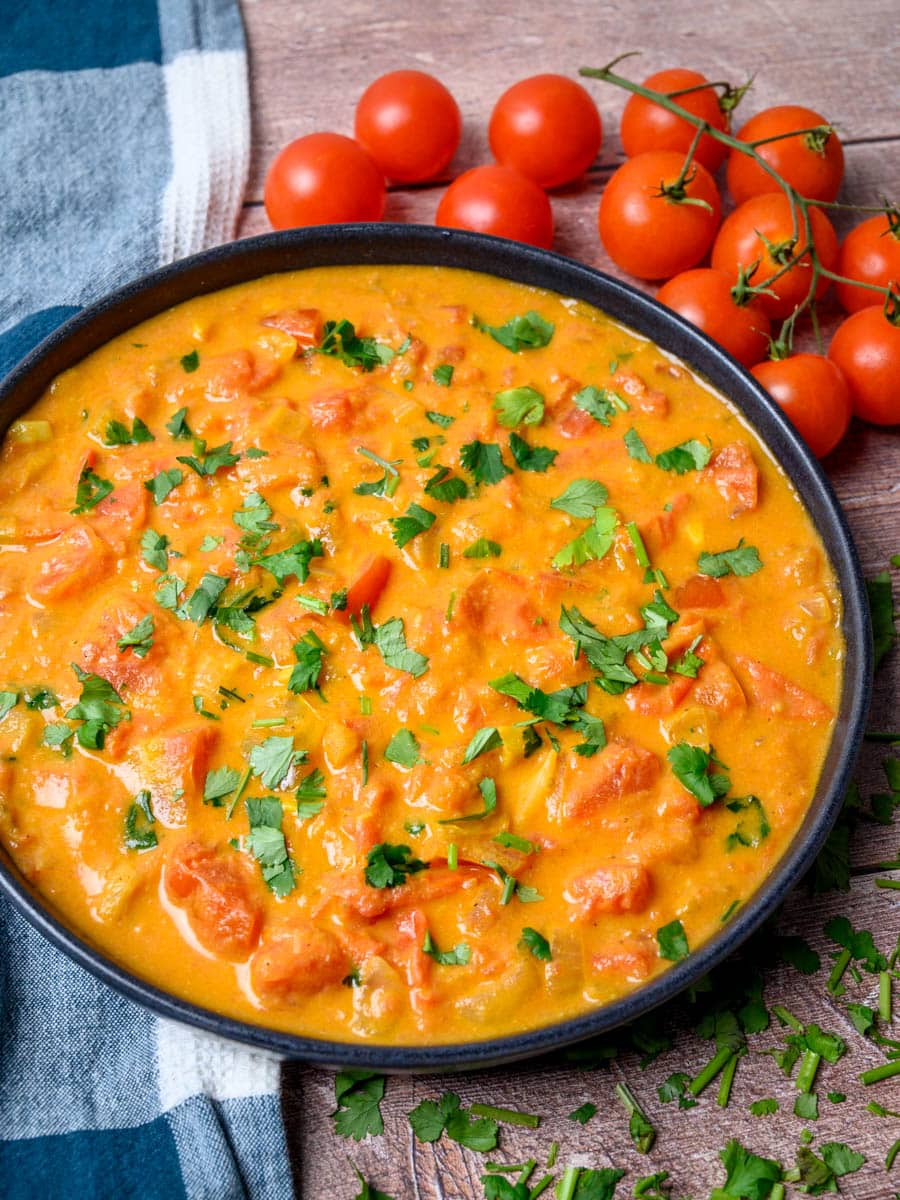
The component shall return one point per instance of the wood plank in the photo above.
(308, 68)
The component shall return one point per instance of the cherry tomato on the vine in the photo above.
(762, 231)
(813, 394)
(813, 163)
(704, 297)
(501, 201)
(870, 252)
(410, 124)
(646, 229)
(867, 349)
(321, 178)
(648, 126)
(547, 127)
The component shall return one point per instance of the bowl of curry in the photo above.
(418, 650)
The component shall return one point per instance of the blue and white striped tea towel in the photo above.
(124, 144)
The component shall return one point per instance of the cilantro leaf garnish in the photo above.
(459, 956)
(562, 707)
(753, 826)
(154, 549)
(163, 483)
(190, 362)
(138, 819)
(339, 340)
(178, 427)
(881, 607)
(386, 485)
(413, 522)
(528, 332)
(607, 654)
(483, 548)
(581, 498)
(118, 434)
(687, 456)
(309, 653)
(219, 783)
(484, 740)
(273, 760)
(357, 1095)
(310, 794)
(204, 598)
(592, 544)
(254, 517)
(690, 663)
(266, 842)
(536, 943)
(389, 866)
(742, 560)
(90, 491)
(390, 639)
(599, 403)
(443, 374)
(519, 406)
(38, 699)
(168, 594)
(484, 461)
(692, 767)
(294, 560)
(858, 942)
(488, 790)
(672, 941)
(446, 487)
(139, 638)
(207, 462)
(531, 458)
(100, 708)
(8, 701)
(634, 444)
(439, 419)
(56, 734)
(403, 749)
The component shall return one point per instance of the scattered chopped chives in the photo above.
(268, 722)
(365, 762)
(450, 605)
(509, 889)
(453, 856)
(242, 783)
(640, 550)
(365, 705)
(444, 560)
(261, 660)
(510, 1116)
(314, 605)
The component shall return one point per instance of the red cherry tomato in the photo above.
(813, 165)
(870, 252)
(813, 394)
(704, 297)
(410, 124)
(321, 178)
(767, 219)
(867, 349)
(548, 128)
(650, 234)
(498, 200)
(647, 126)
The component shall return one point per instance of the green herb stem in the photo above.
(841, 963)
(777, 1192)
(878, 1074)
(884, 997)
(566, 1187)
(809, 1064)
(727, 1079)
(553, 1154)
(717, 1063)
(893, 884)
(510, 1116)
(540, 1187)
(527, 1171)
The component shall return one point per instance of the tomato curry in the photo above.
(401, 653)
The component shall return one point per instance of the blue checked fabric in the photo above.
(124, 144)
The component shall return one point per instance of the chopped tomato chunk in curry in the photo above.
(404, 654)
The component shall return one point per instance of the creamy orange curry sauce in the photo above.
(402, 654)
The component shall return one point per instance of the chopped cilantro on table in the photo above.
(138, 820)
(309, 653)
(763, 1108)
(207, 462)
(748, 1177)
(446, 487)
(389, 866)
(118, 434)
(139, 638)
(459, 956)
(390, 639)
(368, 1191)
(583, 1114)
(484, 740)
(581, 498)
(881, 607)
(358, 1095)
(642, 1133)
(742, 560)
(519, 406)
(100, 708)
(413, 522)
(266, 842)
(274, 759)
(692, 767)
(90, 491)
(531, 458)
(433, 1118)
(483, 548)
(599, 403)
(163, 484)
(484, 461)
(527, 332)
(403, 749)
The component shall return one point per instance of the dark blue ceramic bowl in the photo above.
(378, 243)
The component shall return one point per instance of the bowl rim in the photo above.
(380, 244)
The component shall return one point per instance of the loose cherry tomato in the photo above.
(645, 228)
(498, 200)
(867, 349)
(647, 126)
(870, 252)
(321, 178)
(812, 163)
(762, 230)
(705, 298)
(410, 124)
(813, 394)
(548, 128)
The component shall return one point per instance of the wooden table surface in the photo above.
(309, 64)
